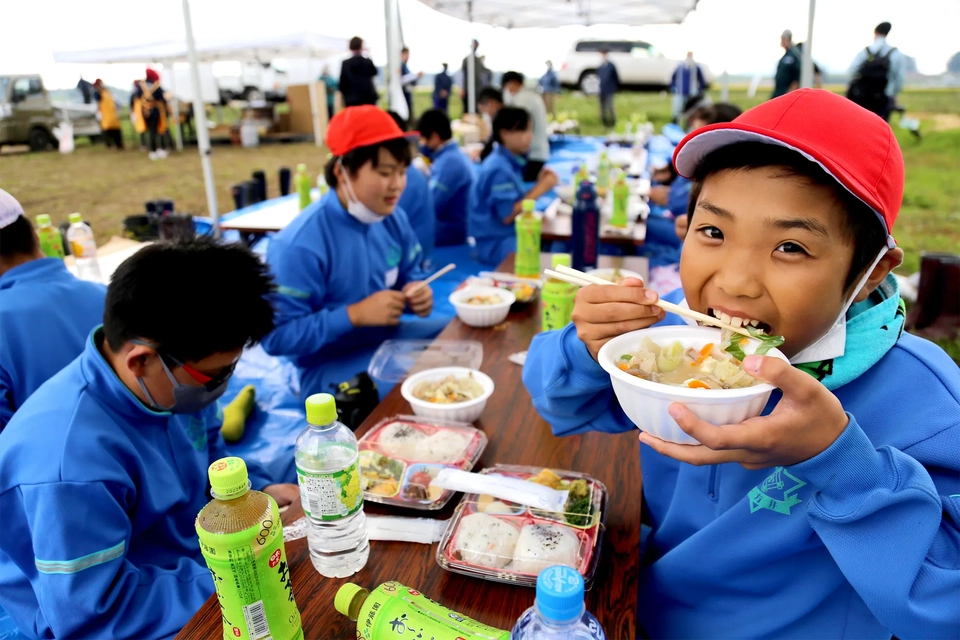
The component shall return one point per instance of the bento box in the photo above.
(400, 456)
(506, 542)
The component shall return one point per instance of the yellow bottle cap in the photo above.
(228, 478)
(529, 205)
(346, 596)
(321, 409)
(559, 259)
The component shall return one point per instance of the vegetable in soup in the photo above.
(710, 367)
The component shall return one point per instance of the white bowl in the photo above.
(482, 315)
(467, 411)
(646, 403)
(606, 274)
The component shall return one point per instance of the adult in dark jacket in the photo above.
(609, 83)
(356, 77)
(442, 85)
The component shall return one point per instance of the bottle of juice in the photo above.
(586, 228)
(302, 183)
(558, 297)
(241, 539)
(83, 246)
(51, 242)
(529, 227)
(603, 174)
(621, 198)
(396, 611)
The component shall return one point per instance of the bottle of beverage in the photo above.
(329, 476)
(302, 184)
(582, 174)
(603, 174)
(51, 242)
(83, 246)
(558, 298)
(322, 185)
(241, 539)
(586, 228)
(528, 226)
(558, 612)
(621, 199)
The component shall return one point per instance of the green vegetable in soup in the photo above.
(766, 343)
(670, 358)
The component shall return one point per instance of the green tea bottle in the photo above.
(529, 227)
(302, 184)
(603, 174)
(558, 297)
(621, 198)
(51, 242)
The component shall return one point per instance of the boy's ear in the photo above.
(890, 261)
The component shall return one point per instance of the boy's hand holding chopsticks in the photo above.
(419, 294)
(603, 313)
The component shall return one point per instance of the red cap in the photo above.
(151, 75)
(362, 126)
(856, 147)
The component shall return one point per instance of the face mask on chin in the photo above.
(360, 212)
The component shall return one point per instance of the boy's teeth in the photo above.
(754, 323)
(735, 321)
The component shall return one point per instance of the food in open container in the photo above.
(472, 312)
(448, 393)
(400, 456)
(523, 289)
(502, 541)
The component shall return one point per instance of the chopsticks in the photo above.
(581, 279)
(425, 283)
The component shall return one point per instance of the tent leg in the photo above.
(725, 87)
(176, 107)
(203, 135)
(314, 105)
(806, 68)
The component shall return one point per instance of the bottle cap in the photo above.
(345, 598)
(43, 220)
(321, 409)
(560, 594)
(529, 205)
(559, 259)
(228, 478)
(74, 218)
(302, 167)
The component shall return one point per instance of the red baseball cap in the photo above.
(856, 147)
(362, 126)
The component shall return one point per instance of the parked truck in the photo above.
(28, 115)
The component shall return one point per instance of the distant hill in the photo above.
(122, 96)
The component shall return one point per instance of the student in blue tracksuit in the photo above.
(499, 191)
(442, 86)
(345, 266)
(451, 176)
(46, 314)
(104, 469)
(837, 513)
(417, 202)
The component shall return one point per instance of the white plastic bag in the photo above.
(64, 134)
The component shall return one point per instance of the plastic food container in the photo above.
(505, 542)
(396, 359)
(482, 315)
(613, 274)
(467, 411)
(646, 403)
(400, 455)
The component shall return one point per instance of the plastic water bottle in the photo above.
(329, 477)
(83, 246)
(558, 613)
(586, 228)
(51, 243)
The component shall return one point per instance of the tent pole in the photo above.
(471, 66)
(314, 106)
(176, 106)
(200, 116)
(806, 70)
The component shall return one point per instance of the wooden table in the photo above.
(517, 435)
(560, 228)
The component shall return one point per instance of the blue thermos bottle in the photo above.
(585, 237)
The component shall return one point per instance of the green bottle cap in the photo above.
(559, 259)
(43, 220)
(302, 167)
(346, 596)
(321, 409)
(228, 478)
(529, 205)
(74, 218)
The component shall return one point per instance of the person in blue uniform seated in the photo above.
(499, 191)
(346, 265)
(417, 198)
(46, 313)
(105, 465)
(839, 507)
(442, 86)
(451, 177)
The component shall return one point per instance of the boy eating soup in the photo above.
(835, 513)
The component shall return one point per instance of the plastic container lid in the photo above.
(559, 259)
(74, 218)
(228, 478)
(559, 594)
(321, 409)
(345, 598)
(43, 220)
(396, 359)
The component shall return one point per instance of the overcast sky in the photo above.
(741, 36)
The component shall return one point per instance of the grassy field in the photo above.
(106, 186)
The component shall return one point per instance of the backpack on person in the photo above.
(868, 88)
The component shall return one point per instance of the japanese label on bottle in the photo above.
(330, 496)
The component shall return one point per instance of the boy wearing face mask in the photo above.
(838, 510)
(346, 266)
(104, 468)
(451, 176)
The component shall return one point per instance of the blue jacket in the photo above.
(326, 260)
(451, 177)
(99, 495)
(860, 541)
(688, 81)
(549, 82)
(498, 187)
(609, 79)
(46, 315)
(417, 202)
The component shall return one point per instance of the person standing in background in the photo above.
(331, 85)
(107, 114)
(408, 80)
(442, 84)
(153, 110)
(878, 74)
(609, 83)
(86, 90)
(479, 73)
(516, 95)
(356, 77)
(549, 87)
(136, 117)
(788, 68)
(687, 82)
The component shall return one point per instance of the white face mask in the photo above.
(355, 208)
